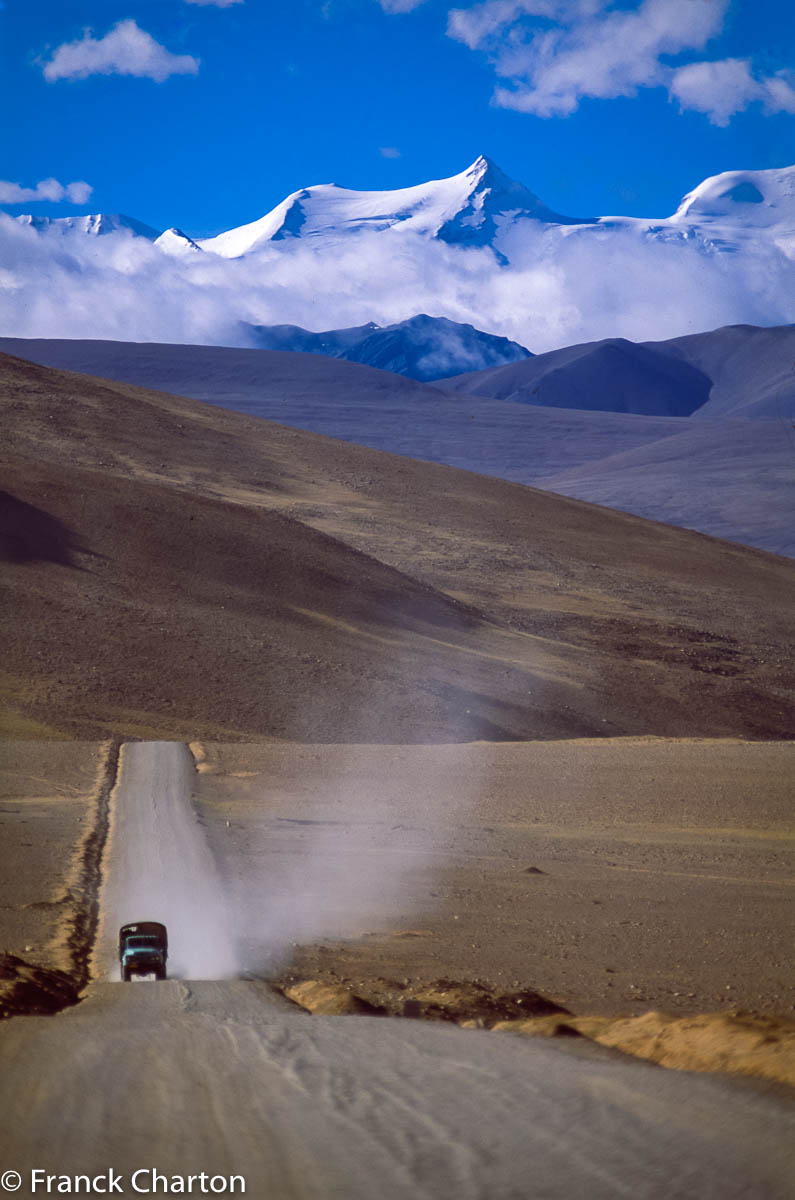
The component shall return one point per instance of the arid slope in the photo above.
(723, 475)
(173, 569)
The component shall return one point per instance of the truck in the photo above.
(143, 950)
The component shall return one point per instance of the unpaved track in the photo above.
(224, 1077)
(216, 1077)
(157, 866)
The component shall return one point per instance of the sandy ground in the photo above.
(612, 876)
(224, 1077)
(47, 806)
(219, 1077)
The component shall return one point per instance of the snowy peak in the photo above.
(759, 199)
(285, 220)
(485, 177)
(174, 241)
(469, 209)
(96, 224)
(492, 199)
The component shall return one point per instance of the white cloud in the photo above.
(475, 26)
(557, 289)
(551, 54)
(721, 89)
(779, 92)
(400, 6)
(589, 51)
(126, 50)
(389, 152)
(215, 3)
(48, 189)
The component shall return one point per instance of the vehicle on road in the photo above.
(143, 950)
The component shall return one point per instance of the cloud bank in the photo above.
(126, 50)
(556, 290)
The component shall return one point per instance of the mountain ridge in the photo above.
(421, 347)
(469, 209)
(463, 209)
(742, 371)
(93, 224)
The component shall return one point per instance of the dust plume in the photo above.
(348, 848)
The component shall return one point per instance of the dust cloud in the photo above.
(340, 844)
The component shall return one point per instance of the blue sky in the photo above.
(598, 107)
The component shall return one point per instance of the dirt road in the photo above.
(217, 1077)
(223, 1077)
(157, 866)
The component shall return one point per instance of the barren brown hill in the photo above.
(172, 569)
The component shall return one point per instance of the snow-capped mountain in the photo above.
(481, 204)
(478, 249)
(467, 209)
(739, 205)
(96, 224)
(758, 199)
(174, 241)
(475, 208)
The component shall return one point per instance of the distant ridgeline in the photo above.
(739, 371)
(423, 348)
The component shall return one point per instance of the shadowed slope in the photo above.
(240, 379)
(739, 371)
(610, 376)
(752, 370)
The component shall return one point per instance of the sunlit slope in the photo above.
(174, 569)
